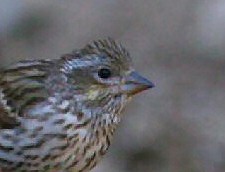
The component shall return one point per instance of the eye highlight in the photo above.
(104, 73)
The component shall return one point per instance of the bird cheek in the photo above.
(92, 94)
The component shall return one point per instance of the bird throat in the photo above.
(96, 122)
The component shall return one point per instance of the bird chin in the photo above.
(124, 91)
(125, 98)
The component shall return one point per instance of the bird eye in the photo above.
(104, 73)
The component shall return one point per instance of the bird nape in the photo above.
(60, 114)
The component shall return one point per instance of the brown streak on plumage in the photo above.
(58, 115)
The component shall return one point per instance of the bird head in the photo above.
(103, 70)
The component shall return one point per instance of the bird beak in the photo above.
(135, 83)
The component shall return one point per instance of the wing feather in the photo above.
(21, 85)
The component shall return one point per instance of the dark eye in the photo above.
(104, 73)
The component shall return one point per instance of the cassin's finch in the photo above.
(60, 115)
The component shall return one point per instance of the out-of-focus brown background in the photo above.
(179, 126)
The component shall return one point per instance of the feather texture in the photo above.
(60, 114)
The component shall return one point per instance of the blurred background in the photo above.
(179, 126)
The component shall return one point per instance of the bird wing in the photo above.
(21, 85)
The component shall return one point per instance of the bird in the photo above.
(61, 114)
